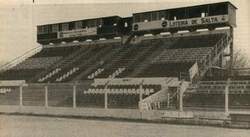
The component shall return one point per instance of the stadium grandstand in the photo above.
(170, 60)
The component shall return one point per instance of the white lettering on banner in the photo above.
(158, 24)
(77, 33)
(198, 21)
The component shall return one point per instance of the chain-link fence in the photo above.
(77, 95)
(65, 95)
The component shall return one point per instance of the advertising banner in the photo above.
(77, 33)
(161, 24)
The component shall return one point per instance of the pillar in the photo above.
(231, 51)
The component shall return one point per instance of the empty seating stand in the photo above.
(68, 63)
(37, 63)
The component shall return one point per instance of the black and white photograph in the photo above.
(124, 68)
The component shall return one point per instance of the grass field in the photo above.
(30, 126)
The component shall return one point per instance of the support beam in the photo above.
(231, 51)
(46, 96)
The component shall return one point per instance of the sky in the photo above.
(19, 18)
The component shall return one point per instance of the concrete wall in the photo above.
(85, 112)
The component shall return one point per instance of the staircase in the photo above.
(157, 100)
(205, 64)
(140, 57)
(145, 63)
(96, 65)
(88, 62)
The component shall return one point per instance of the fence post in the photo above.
(140, 96)
(106, 95)
(106, 99)
(226, 96)
(180, 97)
(168, 103)
(74, 96)
(21, 96)
(181, 101)
(226, 100)
(46, 96)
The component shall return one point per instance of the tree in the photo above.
(239, 60)
(239, 65)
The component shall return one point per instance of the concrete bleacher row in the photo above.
(37, 63)
(56, 51)
(197, 41)
(182, 55)
(21, 74)
(167, 70)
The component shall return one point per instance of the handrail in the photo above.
(19, 59)
(205, 61)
